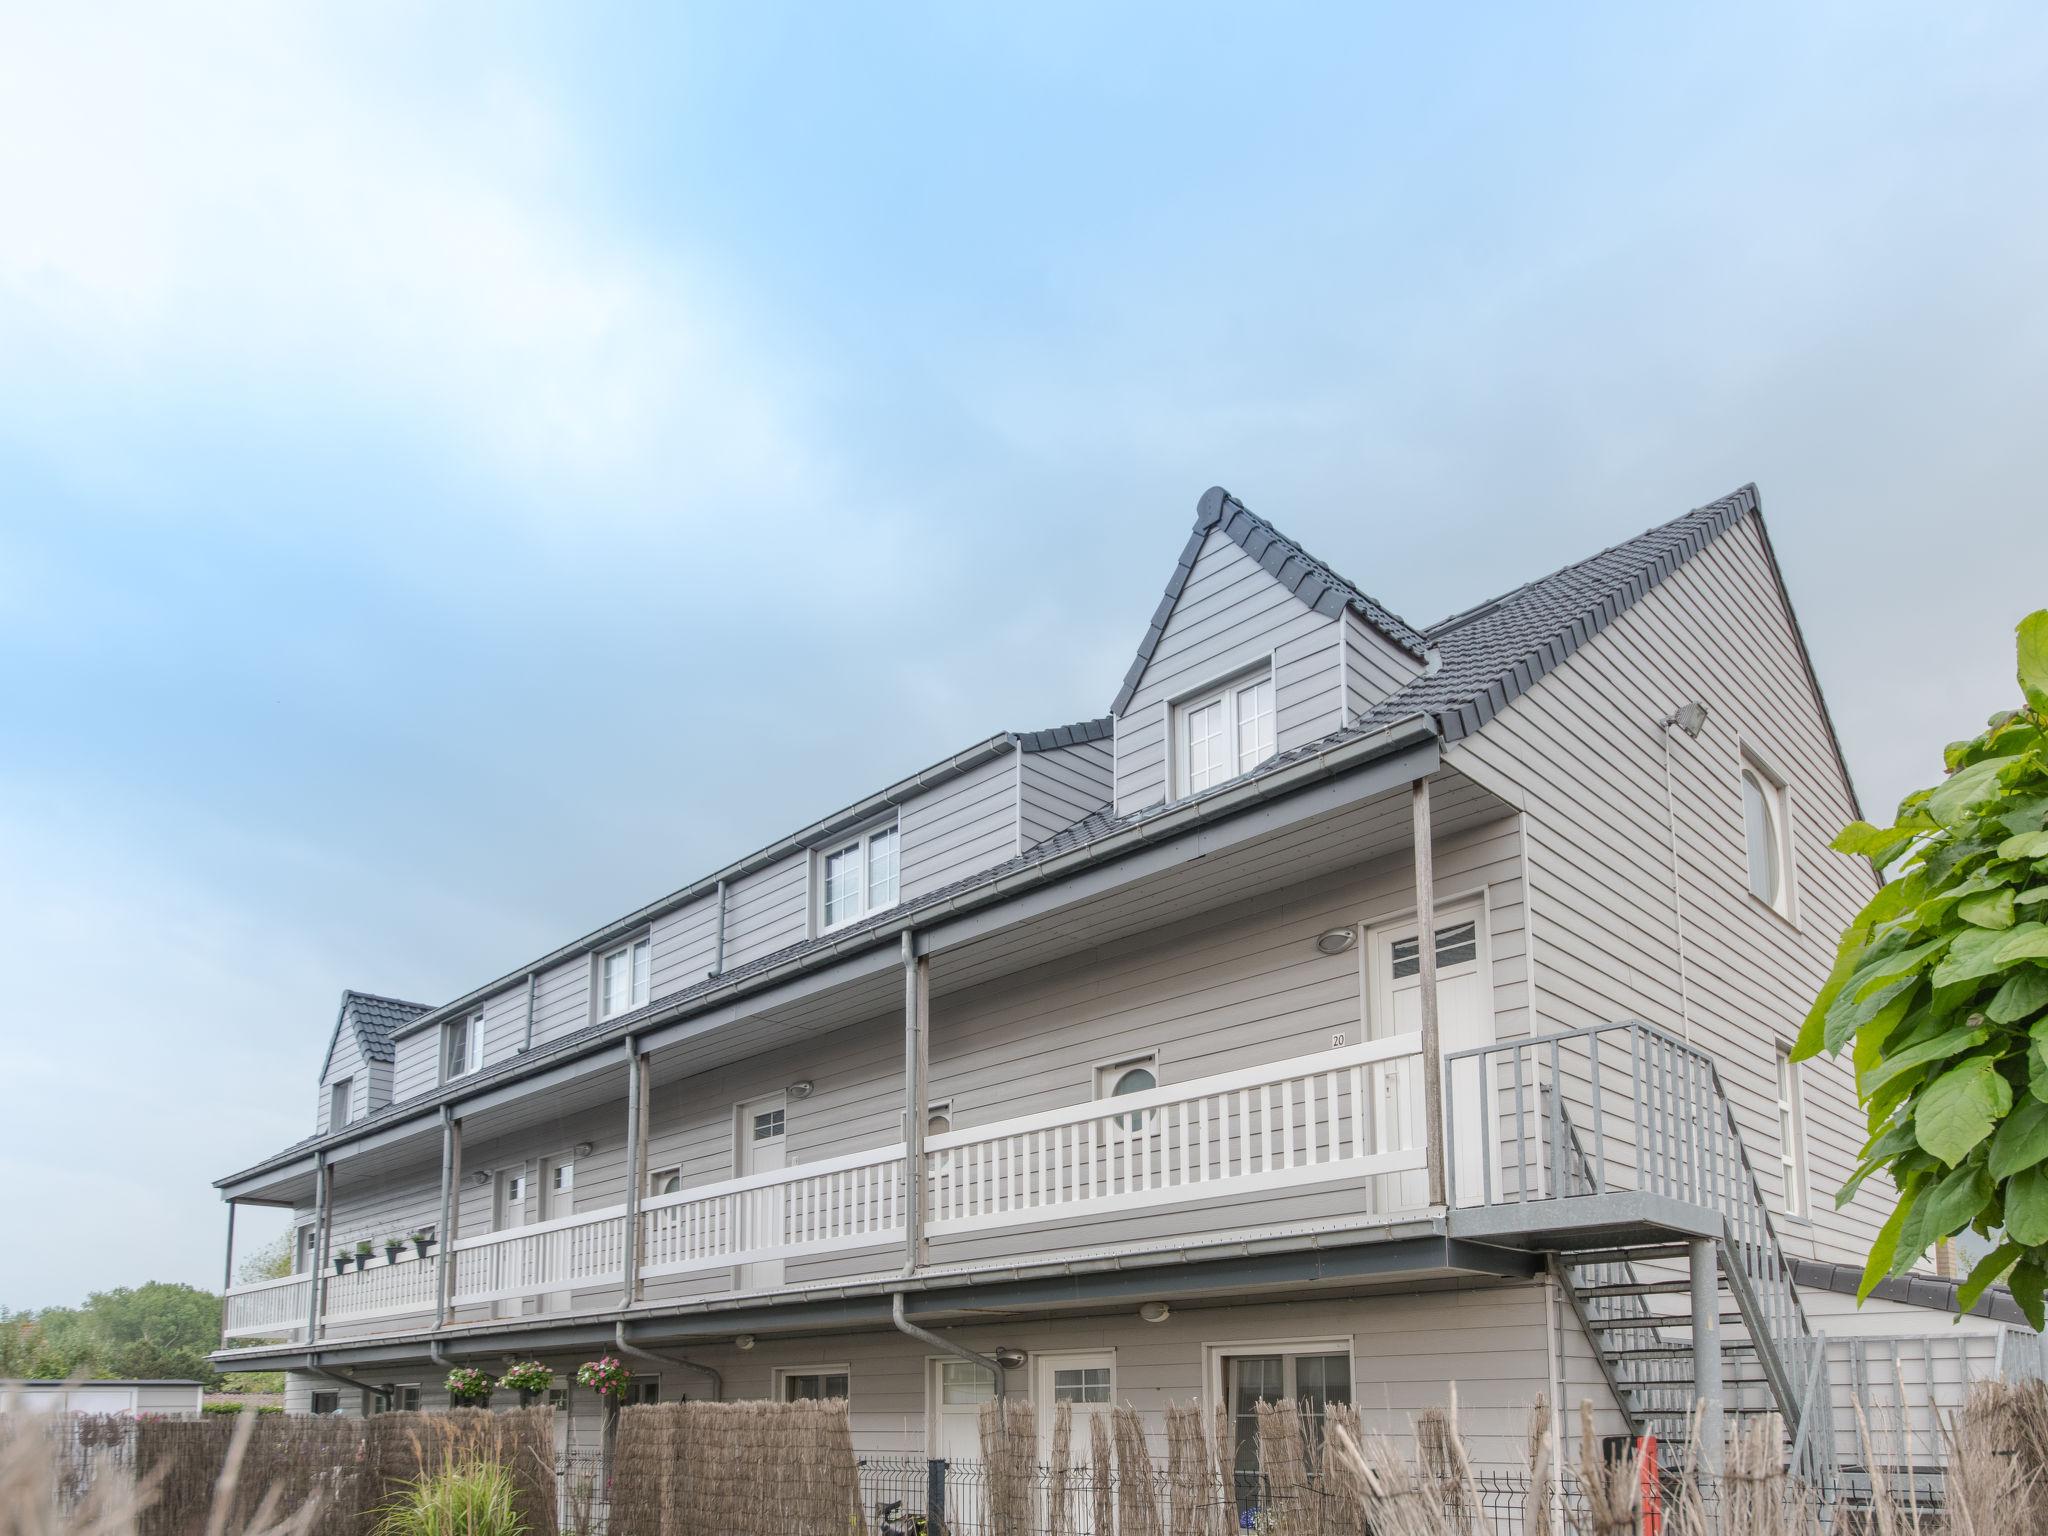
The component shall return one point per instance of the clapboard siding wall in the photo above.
(1062, 785)
(1374, 666)
(1241, 986)
(964, 825)
(346, 1061)
(768, 910)
(1586, 746)
(685, 945)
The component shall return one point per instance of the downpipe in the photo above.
(624, 1348)
(937, 1341)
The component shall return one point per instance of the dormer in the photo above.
(1256, 649)
(355, 1078)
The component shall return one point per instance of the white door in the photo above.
(956, 1389)
(557, 1201)
(1086, 1383)
(763, 1131)
(1464, 1021)
(508, 1212)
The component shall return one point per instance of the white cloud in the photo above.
(232, 190)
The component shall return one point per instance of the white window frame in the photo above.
(1227, 693)
(1214, 1355)
(1109, 1073)
(660, 1176)
(636, 955)
(1777, 800)
(872, 898)
(1045, 1369)
(1796, 1200)
(340, 1097)
(935, 1367)
(471, 1028)
(783, 1373)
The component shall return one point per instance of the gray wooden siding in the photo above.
(685, 944)
(416, 1068)
(967, 824)
(1374, 667)
(561, 1000)
(1061, 786)
(1585, 746)
(768, 910)
(1231, 615)
(346, 1061)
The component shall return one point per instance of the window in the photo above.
(937, 1121)
(409, 1399)
(816, 1383)
(643, 1389)
(306, 1257)
(665, 1181)
(1791, 1133)
(393, 1398)
(623, 976)
(465, 1052)
(1455, 945)
(1765, 836)
(1134, 1075)
(327, 1402)
(770, 1123)
(858, 877)
(337, 1103)
(962, 1383)
(1080, 1384)
(1315, 1377)
(1223, 734)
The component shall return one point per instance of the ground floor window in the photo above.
(327, 1402)
(643, 1389)
(1313, 1376)
(814, 1382)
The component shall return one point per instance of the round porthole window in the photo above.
(1133, 1080)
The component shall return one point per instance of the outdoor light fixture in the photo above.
(481, 1177)
(1008, 1359)
(743, 1343)
(1337, 940)
(1155, 1311)
(585, 1148)
(802, 1090)
(1689, 718)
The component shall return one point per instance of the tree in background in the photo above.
(157, 1330)
(1941, 983)
(273, 1261)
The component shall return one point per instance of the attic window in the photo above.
(857, 877)
(338, 1103)
(464, 1047)
(623, 977)
(1222, 734)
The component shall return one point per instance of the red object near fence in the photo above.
(1649, 1487)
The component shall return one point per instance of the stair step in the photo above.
(1674, 1351)
(1638, 1288)
(1645, 1255)
(1654, 1320)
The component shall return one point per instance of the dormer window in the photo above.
(623, 976)
(858, 877)
(338, 1101)
(1219, 735)
(464, 1046)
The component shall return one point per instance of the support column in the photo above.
(636, 1163)
(323, 1235)
(1425, 950)
(916, 1073)
(227, 1270)
(451, 1180)
(1706, 1352)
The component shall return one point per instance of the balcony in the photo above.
(1346, 1117)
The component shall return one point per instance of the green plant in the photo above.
(605, 1376)
(467, 1384)
(363, 1246)
(474, 1498)
(1941, 982)
(527, 1376)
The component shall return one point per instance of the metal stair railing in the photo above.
(1675, 1137)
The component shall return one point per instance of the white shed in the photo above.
(130, 1397)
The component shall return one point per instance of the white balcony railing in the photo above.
(1342, 1115)
(266, 1307)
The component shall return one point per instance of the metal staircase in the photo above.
(1665, 1163)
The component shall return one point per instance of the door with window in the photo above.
(508, 1213)
(763, 1131)
(956, 1389)
(1464, 1021)
(1086, 1383)
(557, 1203)
(1312, 1376)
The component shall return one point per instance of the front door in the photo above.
(557, 1201)
(1464, 1021)
(956, 1389)
(508, 1211)
(1312, 1379)
(763, 1130)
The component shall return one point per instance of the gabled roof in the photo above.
(1300, 572)
(373, 1019)
(1066, 735)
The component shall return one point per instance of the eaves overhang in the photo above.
(1397, 752)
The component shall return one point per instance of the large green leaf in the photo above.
(1945, 1208)
(2024, 994)
(1954, 1043)
(2026, 1206)
(1852, 1012)
(1979, 952)
(1986, 1273)
(2025, 845)
(1963, 789)
(2021, 1140)
(1988, 909)
(2033, 656)
(1887, 1241)
(1958, 1109)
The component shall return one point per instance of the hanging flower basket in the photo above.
(529, 1378)
(469, 1387)
(606, 1377)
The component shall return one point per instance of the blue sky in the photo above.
(463, 473)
